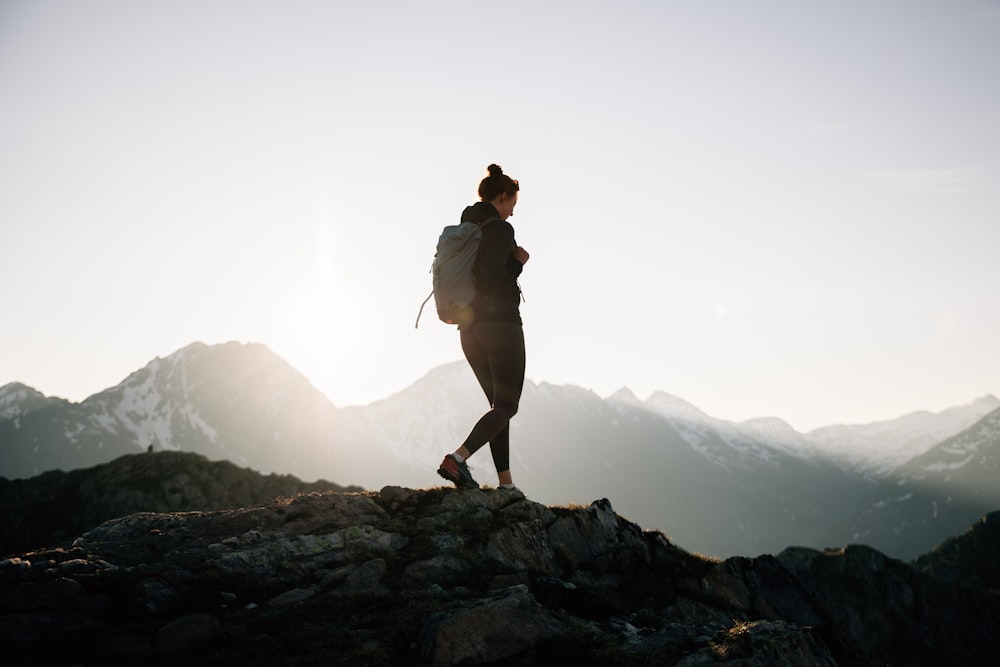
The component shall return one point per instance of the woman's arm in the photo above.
(496, 252)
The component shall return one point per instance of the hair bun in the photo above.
(496, 184)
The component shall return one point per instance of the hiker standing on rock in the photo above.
(494, 342)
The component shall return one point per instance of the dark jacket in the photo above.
(498, 296)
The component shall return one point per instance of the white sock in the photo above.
(507, 486)
(459, 458)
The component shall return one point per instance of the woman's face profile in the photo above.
(504, 205)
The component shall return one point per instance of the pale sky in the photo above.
(765, 208)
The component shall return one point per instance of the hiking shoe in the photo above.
(457, 473)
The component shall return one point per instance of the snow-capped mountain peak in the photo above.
(153, 403)
(886, 445)
(18, 399)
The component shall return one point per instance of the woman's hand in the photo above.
(521, 255)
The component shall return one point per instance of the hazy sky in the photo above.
(766, 208)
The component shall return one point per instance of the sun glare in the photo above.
(322, 333)
(323, 328)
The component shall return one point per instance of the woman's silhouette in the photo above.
(493, 342)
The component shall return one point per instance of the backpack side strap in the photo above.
(421, 311)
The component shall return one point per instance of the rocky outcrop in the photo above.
(972, 558)
(887, 609)
(56, 507)
(443, 577)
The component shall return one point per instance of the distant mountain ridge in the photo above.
(57, 506)
(720, 487)
(446, 395)
(876, 448)
(972, 558)
(134, 407)
(232, 401)
(669, 464)
(945, 485)
(886, 445)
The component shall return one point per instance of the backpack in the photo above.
(454, 285)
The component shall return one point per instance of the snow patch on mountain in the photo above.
(961, 450)
(942, 466)
(153, 404)
(16, 400)
(73, 432)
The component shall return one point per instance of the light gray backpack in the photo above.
(454, 285)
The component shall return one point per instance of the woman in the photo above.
(494, 342)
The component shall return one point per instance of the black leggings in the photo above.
(495, 350)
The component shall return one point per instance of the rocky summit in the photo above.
(445, 577)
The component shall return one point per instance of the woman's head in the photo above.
(500, 190)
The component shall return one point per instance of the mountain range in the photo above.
(718, 487)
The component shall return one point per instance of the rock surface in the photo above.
(447, 577)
